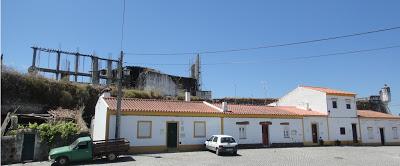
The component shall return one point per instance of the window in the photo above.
(215, 139)
(242, 132)
(395, 134)
(199, 129)
(348, 104)
(286, 131)
(334, 104)
(370, 133)
(83, 145)
(144, 129)
(342, 131)
(227, 140)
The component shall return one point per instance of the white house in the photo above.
(302, 117)
(164, 125)
(379, 128)
(342, 122)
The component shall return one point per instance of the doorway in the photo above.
(381, 131)
(172, 135)
(28, 147)
(355, 136)
(314, 132)
(265, 134)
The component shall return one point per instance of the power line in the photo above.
(272, 46)
(284, 59)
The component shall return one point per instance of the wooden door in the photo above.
(172, 135)
(381, 131)
(314, 131)
(354, 128)
(28, 147)
(265, 135)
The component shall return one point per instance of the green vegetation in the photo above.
(24, 88)
(134, 93)
(63, 132)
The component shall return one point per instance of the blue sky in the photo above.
(192, 26)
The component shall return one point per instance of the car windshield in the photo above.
(73, 145)
(227, 140)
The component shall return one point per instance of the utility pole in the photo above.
(119, 97)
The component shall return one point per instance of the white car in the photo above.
(222, 143)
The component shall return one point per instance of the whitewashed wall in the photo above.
(99, 121)
(129, 129)
(254, 130)
(300, 96)
(334, 128)
(387, 124)
(341, 110)
(321, 126)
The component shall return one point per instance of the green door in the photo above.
(172, 135)
(82, 151)
(28, 147)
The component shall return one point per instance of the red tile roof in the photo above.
(268, 110)
(330, 91)
(374, 114)
(153, 105)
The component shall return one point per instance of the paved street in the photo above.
(388, 155)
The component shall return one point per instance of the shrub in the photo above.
(49, 132)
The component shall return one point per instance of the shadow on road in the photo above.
(103, 161)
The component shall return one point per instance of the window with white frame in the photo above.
(144, 129)
(242, 132)
(370, 133)
(286, 131)
(395, 133)
(348, 104)
(334, 103)
(199, 129)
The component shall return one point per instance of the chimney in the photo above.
(224, 106)
(187, 96)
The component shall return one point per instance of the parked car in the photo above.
(86, 149)
(221, 144)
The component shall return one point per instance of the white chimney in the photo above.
(224, 106)
(187, 96)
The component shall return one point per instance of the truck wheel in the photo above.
(62, 161)
(111, 157)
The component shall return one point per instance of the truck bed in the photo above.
(117, 146)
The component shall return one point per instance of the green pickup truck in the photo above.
(84, 149)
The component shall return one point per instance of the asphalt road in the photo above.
(326, 156)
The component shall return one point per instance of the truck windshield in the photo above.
(73, 145)
(227, 140)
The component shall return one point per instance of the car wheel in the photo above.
(234, 152)
(111, 157)
(62, 161)
(217, 152)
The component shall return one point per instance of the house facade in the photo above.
(297, 119)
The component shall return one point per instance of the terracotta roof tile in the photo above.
(374, 114)
(329, 91)
(156, 105)
(153, 105)
(268, 110)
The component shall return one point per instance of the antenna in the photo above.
(264, 86)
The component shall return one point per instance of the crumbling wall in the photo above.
(161, 83)
(10, 152)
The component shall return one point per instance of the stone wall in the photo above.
(11, 149)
